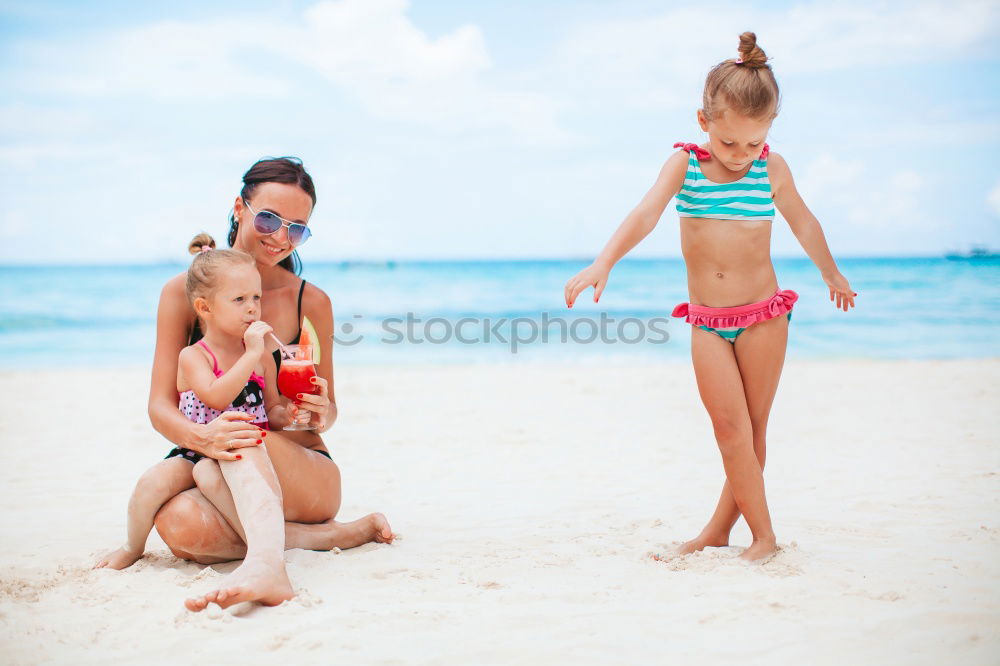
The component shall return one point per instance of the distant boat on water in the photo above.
(974, 253)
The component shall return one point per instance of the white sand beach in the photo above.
(528, 497)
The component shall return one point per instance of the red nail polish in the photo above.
(299, 396)
(239, 457)
(259, 441)
(263, 433)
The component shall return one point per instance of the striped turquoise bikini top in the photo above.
(749, 198)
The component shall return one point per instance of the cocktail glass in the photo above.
(294, 377)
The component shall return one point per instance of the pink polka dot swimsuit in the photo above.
(249, 401)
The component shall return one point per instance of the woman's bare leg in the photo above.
(194, 529)
(321, 536)
(721, 387)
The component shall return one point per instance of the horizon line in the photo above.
(361, 261)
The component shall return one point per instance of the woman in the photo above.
(269, 220)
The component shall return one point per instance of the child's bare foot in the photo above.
(760, 550)
(118, 559)
(254, 580)
(703, 541)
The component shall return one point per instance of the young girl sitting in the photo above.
(727, 189)
(226, 371)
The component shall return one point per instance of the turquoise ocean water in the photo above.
(909, 308)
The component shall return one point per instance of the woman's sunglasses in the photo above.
(266, 222)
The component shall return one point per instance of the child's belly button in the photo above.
(719, 275)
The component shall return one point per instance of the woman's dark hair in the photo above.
(287, 170)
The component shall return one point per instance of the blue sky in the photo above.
(488, 129)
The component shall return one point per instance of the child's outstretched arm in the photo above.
(219, 392)
(633, 229)
(160, 483)
(807, 230)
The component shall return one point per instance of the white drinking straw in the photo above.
(283, 348)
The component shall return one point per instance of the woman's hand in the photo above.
(223, 436)
(318, 405)
(594, 275)
(840, 291)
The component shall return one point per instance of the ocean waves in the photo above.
(402, 312)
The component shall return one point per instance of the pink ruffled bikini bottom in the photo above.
(728, 323)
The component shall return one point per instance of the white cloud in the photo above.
(993, 198)
(165, 60)
(25, 119)
(147, 118)
(864, 195)
(14, 223)
(369, 49)
(660, 61)
(354, 40)
(836, 36)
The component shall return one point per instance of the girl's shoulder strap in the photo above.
(255, 377)
(693, 148)
(215, 361)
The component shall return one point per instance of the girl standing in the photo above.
(727, 189)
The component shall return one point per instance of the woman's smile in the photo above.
(272, 250)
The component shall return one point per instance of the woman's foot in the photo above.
(331, 534)
(760, 549)
(118, 559)
(380, 528)
(254, 580)
(373, 527)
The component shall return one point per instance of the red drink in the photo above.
(294, 377)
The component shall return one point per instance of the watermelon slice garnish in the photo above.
(309, 337)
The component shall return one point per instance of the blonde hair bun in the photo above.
(752, 55)
(745, 84)
(203, 274)
(200, 241)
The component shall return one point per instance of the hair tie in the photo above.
(739, 61)
(206, 248)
